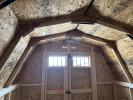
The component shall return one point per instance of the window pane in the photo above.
(81, 61)
(78, 61)
(59, 61)
(56, 61)
(74, 61)
(63, 61)
(86, 61)
(50, 61)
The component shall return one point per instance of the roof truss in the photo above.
(70, 34)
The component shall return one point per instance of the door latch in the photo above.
(68, 92)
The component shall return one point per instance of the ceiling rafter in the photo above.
(87, 20)
(9, 49)
(121, 61)
(28, 51)
(85, 13)
(76, 20)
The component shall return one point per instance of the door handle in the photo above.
(68, 92)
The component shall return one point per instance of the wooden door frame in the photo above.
(93, 75)
(93, 89)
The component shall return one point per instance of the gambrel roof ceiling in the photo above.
(33, 18)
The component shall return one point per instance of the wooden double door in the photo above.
(67, 77)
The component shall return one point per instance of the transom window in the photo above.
(56, 61)
(61, 61)
(81, 61)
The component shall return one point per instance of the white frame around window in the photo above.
(81, 61)
(57, 61)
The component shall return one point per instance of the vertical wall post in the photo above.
(115, 94)
(93, 76)
(130, 93)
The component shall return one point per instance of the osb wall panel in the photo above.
(79, 47)
(103, 71)
(105, 92)
(30, 93)
(55, 79)
(28, 9)
(32, 69)
(120, 10)
(52, 29)
(122, 93)
(80, 78)
(62, 46)
(57, 46)
(8, 24)
(101, 31)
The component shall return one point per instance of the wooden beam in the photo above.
(44, 70)
(54, 21)
(115, 91)
(71, 33)
(104, 82)
(93, 76)
(130, 93)
(87, 20)
(81, 90)
(12, 43)
(9, 89)
(8, 50)
(83, 20)
(107, 24)
(105, 41)
(31, 84)
(18, 67)
(52, 40)
(121, 62)
(55, 91)
(37, 40)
